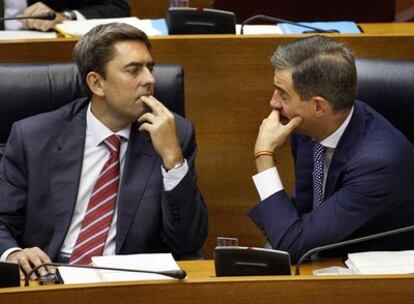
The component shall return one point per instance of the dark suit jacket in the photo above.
(90, 8)
(39, 181)
(369, 189)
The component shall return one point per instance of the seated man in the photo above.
(113, 174)
(65, 10)
(354, 171)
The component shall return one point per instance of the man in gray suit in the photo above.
(54, 180)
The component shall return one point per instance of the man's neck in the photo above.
(327, 127)
(108, 120)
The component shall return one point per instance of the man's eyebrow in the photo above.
(139, 64)
(275, 86)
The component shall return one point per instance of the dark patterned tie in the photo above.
(318, 157)
(101, 207)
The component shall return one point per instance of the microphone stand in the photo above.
(176, 274)
(274, 19)
(349, 242)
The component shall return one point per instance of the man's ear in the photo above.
(320, 105)
(96, 83)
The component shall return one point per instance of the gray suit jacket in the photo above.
(39, 181)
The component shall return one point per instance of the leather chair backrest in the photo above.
(30, 89)
(388, 87)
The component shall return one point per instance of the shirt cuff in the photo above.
(267, 183)
(6, 254)
(174, 176)
(79, 16)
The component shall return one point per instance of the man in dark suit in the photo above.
(61, 167)
(66, 10)
(354, 171)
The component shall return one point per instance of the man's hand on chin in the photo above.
(272, 135)
(160, 124)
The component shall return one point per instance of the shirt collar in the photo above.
(332, 140)
(99, 132)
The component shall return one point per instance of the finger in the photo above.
(41, 25)
(274, 115)
(51, 269)
(147, 117)
(153, 103)
(294, 123)
(22, 276)
(24, 263)
(25, 22)
(35, 261)
(47, 26)
(145, 127)
(40, 258)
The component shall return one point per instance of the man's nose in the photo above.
(149, 78)
(275, 101)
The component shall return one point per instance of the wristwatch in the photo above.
(70, 15)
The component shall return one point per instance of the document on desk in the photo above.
(152, 27)
(258, 29)
(381, 262)
(13, 35)
(343, 27)
(149, 262)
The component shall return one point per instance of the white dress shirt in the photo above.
(14, 7)
(94, 157)
(268, 182)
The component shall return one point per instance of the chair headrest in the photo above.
(388, 87)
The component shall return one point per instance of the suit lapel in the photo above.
(138, 168)
(303, 174)
(66, 166)
(346, 148)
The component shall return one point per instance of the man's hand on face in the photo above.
(272, 135)
(29, 258)
(160, 124)
(37, 24)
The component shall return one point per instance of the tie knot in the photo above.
(113, 143)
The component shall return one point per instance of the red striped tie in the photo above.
(95, 225)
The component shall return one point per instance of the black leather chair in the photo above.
(388, 87)
(29, 89)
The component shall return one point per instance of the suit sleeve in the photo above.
(104, 9)
(184, 211)
(371, 186)
(13, 192)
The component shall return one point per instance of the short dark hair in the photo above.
(95, 49)
(320, 66)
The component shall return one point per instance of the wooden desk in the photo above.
(228, 85)
(203, 287)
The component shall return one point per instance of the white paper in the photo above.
(258, 29)
(79, 28)
(72, 275)
(12, 35)
(382, 262)
(150, 262)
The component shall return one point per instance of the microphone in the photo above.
(43, 16)
(274, 19)
(350, 242)
(176, 274)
